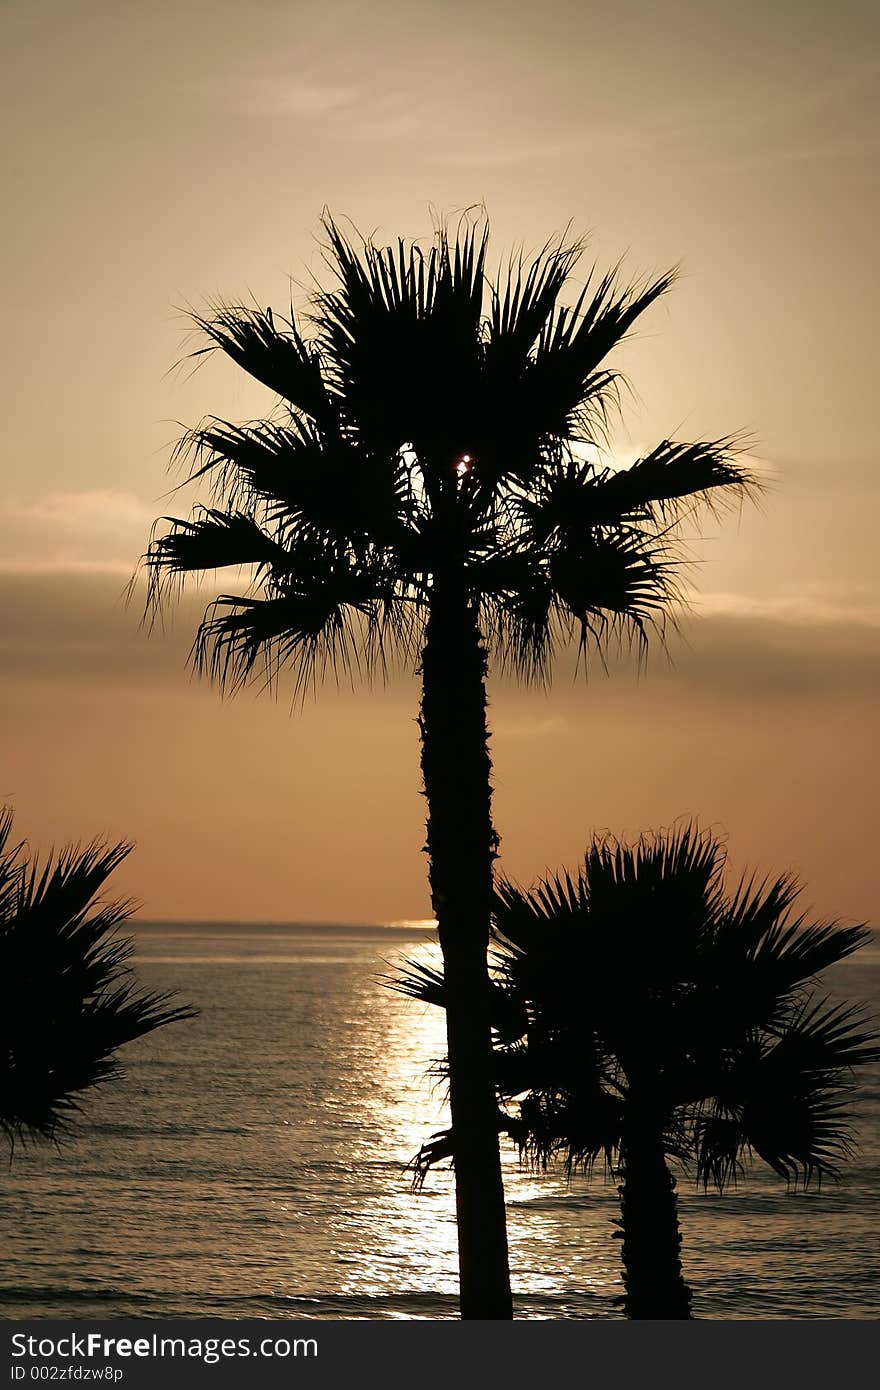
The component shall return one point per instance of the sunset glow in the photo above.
(780, 663)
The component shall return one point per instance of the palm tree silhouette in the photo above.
(67, 1003)
(645, 1016)
(431, 489)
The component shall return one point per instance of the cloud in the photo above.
(294, 95)
(97, 529)
(781, 649)
(75, 626)
(800, 610)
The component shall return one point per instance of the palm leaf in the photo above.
(429, 414)
(567, 382)
(302, 483)
(67, 999)
(641, 974)
(340, 624)
(277, 357)
(211, 540)
(787, 1096)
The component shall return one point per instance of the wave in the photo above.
(53, 1300)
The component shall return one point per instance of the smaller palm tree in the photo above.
(67, 1001)
(645, 1016)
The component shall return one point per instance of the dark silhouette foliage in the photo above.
(67, 1000)
(430, 416)
(646, 1017)
(432, 488)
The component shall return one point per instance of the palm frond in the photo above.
(440, 1148)
(601, 587)
(641, 974)
(517, 614)
(522, 300)
(574, 391)
(345, 623)
(433, 413)
(670, 474)
(400, 337)
(611, 583)
(823, 1039)
(573, 495)
(437, 1149)
(277, 356)
(788, 1096)
(210, 540)
(789, 947)
(579, 1128)
(305, 481)
(418, 980)
(67, 998)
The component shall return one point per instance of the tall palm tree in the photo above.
(646, 1017)
(430, 488)
(67, 1002)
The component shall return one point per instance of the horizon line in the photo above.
(396, 924)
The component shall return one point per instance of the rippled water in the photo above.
(251, 1164)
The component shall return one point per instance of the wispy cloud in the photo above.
(291, 94)
(100, 530)
(519, 729)
(75, 625)
(799, 610)
(533, 112)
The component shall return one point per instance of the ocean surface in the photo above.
(251, 1164)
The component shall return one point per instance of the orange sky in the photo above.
(163, 154)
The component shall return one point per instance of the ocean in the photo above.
(251, 1163)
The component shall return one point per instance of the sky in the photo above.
(158, 155)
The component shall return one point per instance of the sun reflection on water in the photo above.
(561, 1255)
(252, 1164)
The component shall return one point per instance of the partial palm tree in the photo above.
(648, 1018)
(67, 997)
(431, 489)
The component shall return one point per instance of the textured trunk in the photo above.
(461, 846)
(651, 1249)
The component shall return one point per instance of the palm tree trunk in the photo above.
(461, 845)
(651, 1249)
